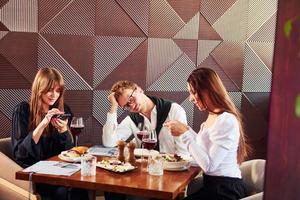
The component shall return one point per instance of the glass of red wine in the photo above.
(76, 126)
(149, 140)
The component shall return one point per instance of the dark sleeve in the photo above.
(25, 151)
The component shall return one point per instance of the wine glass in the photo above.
(149, 140)
(76, 126)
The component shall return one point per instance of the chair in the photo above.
(253, 172)
(10, 188)
(253, 175)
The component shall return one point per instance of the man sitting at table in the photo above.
(144, 111)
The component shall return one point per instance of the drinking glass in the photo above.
(149, 140)
(76, 126)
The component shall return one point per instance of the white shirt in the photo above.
(113, 132)
(215, 148)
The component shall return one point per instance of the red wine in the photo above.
(141, 134)
(149, 144)
(76, 130)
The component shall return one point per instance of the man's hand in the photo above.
(114, 104)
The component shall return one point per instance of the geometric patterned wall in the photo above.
(156, 43)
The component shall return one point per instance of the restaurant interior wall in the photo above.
(156, 43)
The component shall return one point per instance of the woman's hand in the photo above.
(49, 115)
(59, 124)
(176, 127)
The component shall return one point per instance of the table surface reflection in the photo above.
(137, 182)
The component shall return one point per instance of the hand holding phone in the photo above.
(62, 116)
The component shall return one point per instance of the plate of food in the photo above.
(138, 152)
(74, 154)
(115, 166)
(174, 162)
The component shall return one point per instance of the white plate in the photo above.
(62, 156)
(178, 169)
(144, 152)
(115, 166)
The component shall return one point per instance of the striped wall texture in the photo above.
(156, 43)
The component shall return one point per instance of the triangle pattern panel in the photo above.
(133, 68)
(110, 52)
(265, 33)
(20, 16)
(189, 47)
(3, 2)
(138, 10)
(265, 51)
(190, 30)
(101, 106)
(260, 100)
(204, 49)
(48, 12)
(80, 102)
(9, 74)
(5, 126)
(189, 110)
(257, 77)
(169, 81)
(78, 51)
(256, 127)
(175, 96)
(2, 34)
(206, 31)
(111, 20)
(230, 56)
(186, 9)
(236, 98)
(164, 21)
(20, 49)
(161, 54)
(10, 98)
(259, 12)
(210, 62)
(48, 56)
(78, 18)
(233, 24)
(212, 10)
(92, 132)
(3, 27)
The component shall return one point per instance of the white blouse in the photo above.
(215, 148)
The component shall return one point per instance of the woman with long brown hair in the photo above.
(37, 134)
(220, 145)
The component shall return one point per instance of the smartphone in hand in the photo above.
(62, 116)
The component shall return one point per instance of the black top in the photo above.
(25, 151)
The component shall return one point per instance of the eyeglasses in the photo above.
(127, 105)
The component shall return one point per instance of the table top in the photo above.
(136, 182)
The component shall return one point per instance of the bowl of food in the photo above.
(174, 161)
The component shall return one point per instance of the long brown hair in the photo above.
(206, 81)
(44, 80)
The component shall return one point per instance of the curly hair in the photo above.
(119, 86)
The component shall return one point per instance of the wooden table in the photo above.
(137, 182)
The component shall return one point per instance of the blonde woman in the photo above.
(220, 145)
(37, 134)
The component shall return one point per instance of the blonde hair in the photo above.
(44, 80)
(119, 86)
(205, 80)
